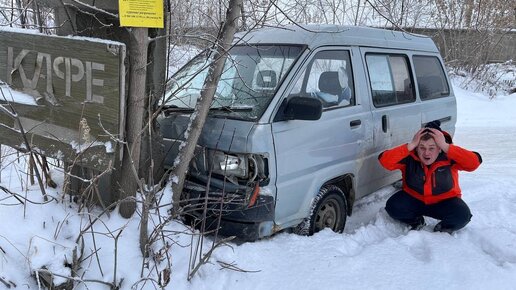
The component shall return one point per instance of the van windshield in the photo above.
(249, 81)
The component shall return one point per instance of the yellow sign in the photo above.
(141, 13)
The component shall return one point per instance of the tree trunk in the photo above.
(152, 142)
(469, 13)
(23, 20)
(134, 125)
(203, 103)
(244, 17)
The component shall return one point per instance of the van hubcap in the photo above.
(328, 215)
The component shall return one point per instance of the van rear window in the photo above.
(390, 79)
(431, 81)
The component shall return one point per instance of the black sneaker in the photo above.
(439, 228)
(418, 224)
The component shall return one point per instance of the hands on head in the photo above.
(439, 139)
(437, 135)
(415, 140)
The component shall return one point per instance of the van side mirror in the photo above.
(300, 108)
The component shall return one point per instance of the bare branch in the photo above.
(232, 266)
(95, 8)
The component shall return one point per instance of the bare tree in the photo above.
(198, 118)
(472, 31)
(136, 110)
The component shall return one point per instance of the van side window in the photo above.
(329, 78)
(390, 79)
(431, 81)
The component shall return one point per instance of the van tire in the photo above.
(328, 210)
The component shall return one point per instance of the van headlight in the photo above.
(230, 164)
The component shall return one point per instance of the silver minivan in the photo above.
(298, 120)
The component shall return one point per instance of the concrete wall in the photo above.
(473, 46)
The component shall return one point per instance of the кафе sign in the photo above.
(77, 90)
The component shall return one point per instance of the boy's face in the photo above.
(428, 151)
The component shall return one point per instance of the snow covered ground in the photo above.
(373, 253)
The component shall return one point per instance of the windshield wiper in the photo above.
(232, 109)
(167, 109)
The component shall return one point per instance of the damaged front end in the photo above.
(225, 191)
(231, 195)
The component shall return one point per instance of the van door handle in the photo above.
(384, 123)
(355, 123)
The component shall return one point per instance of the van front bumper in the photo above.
(228, 209)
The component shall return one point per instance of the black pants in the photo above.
(453, 213)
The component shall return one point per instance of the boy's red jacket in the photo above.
(433, 183)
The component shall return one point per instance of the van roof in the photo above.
(316, 35)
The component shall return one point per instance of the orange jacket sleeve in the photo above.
(465, 159)
(390, 159)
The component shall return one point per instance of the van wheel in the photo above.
(328, 211)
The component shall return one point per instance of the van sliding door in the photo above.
(396, 114)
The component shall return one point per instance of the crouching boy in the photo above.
(429, 165)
